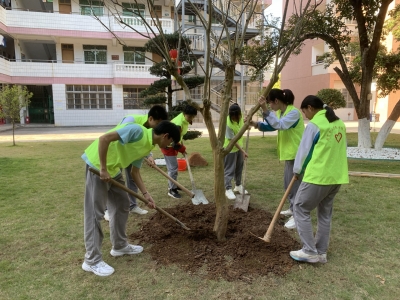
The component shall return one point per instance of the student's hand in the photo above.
(150, 161)
(245, 155)
(263, 103)
(151, 203)
(104, 175)
(254, 124)
(296, 176)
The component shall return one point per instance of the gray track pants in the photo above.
(131, 185)
(311, 196)
(233, 167)
(287, 177)
(97, 194)
(172, 167)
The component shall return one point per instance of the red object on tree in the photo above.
(179, 67)
(173, 53)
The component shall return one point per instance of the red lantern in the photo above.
(173, 53)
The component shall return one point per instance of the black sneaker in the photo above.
(174, 193)
(178, 188)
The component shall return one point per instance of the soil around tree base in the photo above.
(241, 257)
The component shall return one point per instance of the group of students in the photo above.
(122, 150)
(314, 156)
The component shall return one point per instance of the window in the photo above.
(346, 95)
(91, 7)
(191, 19)
(132, 99)
(133, 9)
(89, 96)
(134, 55)
(95, 54)
(156, 10)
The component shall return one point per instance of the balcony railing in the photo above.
(77, 23)
(59, 69)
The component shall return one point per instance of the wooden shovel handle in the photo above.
(169, 177)
(141, 198)
(267, 236)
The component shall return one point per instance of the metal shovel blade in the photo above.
(199, 197)
(242, 202)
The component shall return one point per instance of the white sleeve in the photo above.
(309, 139)
(284, 122)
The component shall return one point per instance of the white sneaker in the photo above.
(229, 193)
(287, 213)
(106, 215)
(130, 249)
(239, 189)
(290, 224)
(301, 256)
(101, 269)
(322, 258)
(138, 210)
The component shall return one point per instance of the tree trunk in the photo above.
(387, 127)
(364, 135)
(221, 202)
(13, 125)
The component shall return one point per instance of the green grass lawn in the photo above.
(42, 249)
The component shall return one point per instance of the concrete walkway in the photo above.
(47, 132)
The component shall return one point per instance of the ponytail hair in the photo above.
(317, 103)
(285, 96)
(234, 111)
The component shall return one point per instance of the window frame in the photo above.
(136, 102)
(99, 48)
(88, 97)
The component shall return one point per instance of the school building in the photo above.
(78, 72)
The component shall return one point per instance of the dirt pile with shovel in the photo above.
(241, 257)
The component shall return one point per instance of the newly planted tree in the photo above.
(225, 47)
(12, 100)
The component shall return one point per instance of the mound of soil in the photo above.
(241, 257)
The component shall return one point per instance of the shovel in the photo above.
(198, 194)
(267, 236)
(242, 200)
(191, 194)
(140, 197)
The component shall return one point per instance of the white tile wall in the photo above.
(87, 117)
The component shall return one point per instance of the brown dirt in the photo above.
(241, 257)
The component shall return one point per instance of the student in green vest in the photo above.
(182, 121)
(289, 122)
(155, 115)
(233, 164)
(322, 158)
(123, 145)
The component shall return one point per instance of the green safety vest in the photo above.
(139, 119)
(180, 120)
(289, 140)
(119, 155)
(235, 126)
(328, 163)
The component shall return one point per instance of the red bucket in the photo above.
(181, 164)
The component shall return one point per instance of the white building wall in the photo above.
(88, 117)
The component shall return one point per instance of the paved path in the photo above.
(38, 132)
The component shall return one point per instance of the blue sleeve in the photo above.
(130, 133)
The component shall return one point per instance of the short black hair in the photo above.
(190, 110)
(158, 113)
(170, 128)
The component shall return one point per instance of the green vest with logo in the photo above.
(235, 126)
(328, 164)
(289, 140)
(121, 155)
(180, 120)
